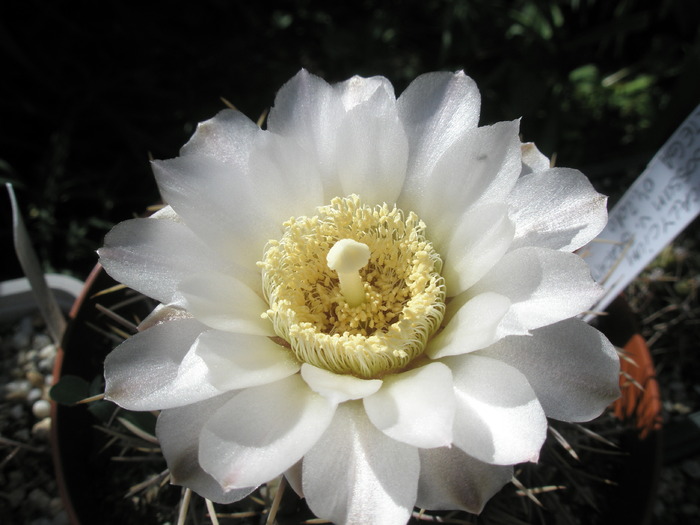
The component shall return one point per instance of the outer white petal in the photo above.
(293, 475)
(262, 432)
(533, 159)
(141, 371)
(545, 286)
(166, 213)
(437, 109)
(481, 166)
(192, 382)
(178, 433)
(450, 479)
(556, 209)
(350, 131)
(153, 256)
(372, 151)
(480, 238)
(357, 475)
(222, 205)
(235, 361)
(498, 418)
(473, 326)
(357, 90)
(225, 303)
(570, 365)
(309, 110)
(415, 407)
(336, 387)
(227, 138)
(163, 313)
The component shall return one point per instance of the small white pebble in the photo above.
(41, 408)
(35, 378)
(17, 389)
(46, 364)
(40, 341)
(48, 379)
(34, 395)
(42, 429)
(49, 351)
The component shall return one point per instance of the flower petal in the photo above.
(293, 476)
(152, 256)
(473, 326)
(203, 192)
(178, 433)
(163, 313)
(356, 475)
(166, 213)
(336, 387)
(557, 209)
(235, 361)
(480, 238)
(533, 159)
(372, 151)
(262, 432)
(544, 286)
(227, 138)
(436, 110)
(350, 130)
(225, 303)
(450, 479)
(141, 371)
(308, 109)
(415, 407)
(357, 90)
(481, 166)
(570, 365)
(498, 418)
(285, 177)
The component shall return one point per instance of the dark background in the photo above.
(89, 89)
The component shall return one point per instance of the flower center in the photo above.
(354, 289)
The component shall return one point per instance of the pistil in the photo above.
(347, 257)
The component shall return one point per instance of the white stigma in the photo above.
(347, 257)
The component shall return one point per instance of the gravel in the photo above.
(28, 490)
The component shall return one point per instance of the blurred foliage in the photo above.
(91, 89)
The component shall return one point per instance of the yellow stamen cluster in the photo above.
(404, 291)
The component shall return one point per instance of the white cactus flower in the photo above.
(373, 296)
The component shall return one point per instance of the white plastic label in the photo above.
(656, 208)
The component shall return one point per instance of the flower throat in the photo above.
(354, 289)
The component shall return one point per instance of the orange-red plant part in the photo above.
(640, 400)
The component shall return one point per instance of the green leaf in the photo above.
(69, 390)
(102, 410)
(97, 386)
